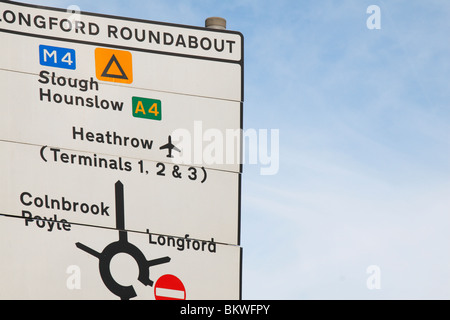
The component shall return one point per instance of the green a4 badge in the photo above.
(147, 108)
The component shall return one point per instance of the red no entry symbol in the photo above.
(169, 287)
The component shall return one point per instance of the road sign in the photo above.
(118, 138)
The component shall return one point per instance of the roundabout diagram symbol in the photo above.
(122, 246)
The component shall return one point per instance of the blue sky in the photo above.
(364, 126)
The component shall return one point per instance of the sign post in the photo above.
(93, 164)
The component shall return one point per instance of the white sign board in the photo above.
(95, 263)
(120, 139)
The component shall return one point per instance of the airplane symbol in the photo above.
(171, 147)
